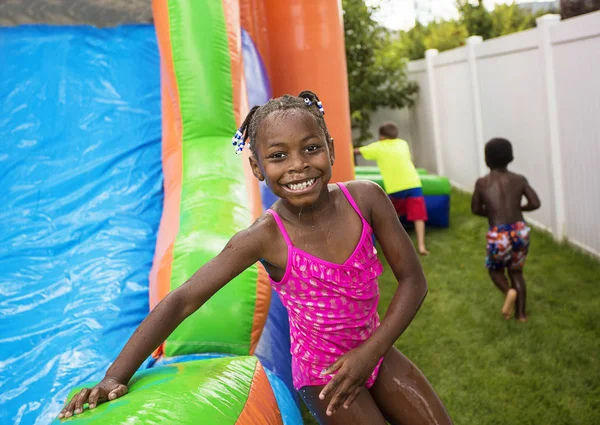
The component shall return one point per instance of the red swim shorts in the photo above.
(410, 204)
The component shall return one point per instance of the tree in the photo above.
(503, 20)
(440, 35)
(412, 42)
(476, 18)
(510, 18)
(376, 69)
(445, 35)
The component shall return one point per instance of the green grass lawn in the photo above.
(491, 371)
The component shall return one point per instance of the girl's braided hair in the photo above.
(306, 100)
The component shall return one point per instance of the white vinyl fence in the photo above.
(540, 89)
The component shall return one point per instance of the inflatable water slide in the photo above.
(119, 181)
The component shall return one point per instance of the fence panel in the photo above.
(455, 110)
(576, 52)
(513, 106)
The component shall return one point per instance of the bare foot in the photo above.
(509, 303)
(522, 319)
(423, 251)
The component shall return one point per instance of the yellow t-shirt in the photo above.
(395, 163)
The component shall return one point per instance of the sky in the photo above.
(400, 14)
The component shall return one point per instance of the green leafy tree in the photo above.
(411, 43)
(510, 18)
(503, 20)
(440, 35)
(476, 18)
(445, 35)
(376, 69)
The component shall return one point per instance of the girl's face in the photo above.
(293, 156)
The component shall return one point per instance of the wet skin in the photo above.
(401, 395)
(291, 150)
(498, 197)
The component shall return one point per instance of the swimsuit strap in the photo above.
(351, 200)
(284, 233)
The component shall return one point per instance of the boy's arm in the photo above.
(369, 151)
(354, 368)
(243, 250)
(533, 201)
(477, 205)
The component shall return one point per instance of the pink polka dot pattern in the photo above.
(332, 307)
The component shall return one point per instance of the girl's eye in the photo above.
(277, 155)
(312, 148)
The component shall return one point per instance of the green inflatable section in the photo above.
(432, 184)
(214, 201)
(198, 392)
(435, 185)
(360, 170)
(372, 177)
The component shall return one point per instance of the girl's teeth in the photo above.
(302, 185)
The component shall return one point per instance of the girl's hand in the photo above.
(108, 389)
(353, 370)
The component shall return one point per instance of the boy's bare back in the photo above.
(498, 197)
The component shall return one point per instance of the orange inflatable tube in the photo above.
(306, 51)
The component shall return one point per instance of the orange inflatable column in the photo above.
(253, 16)
(306, 52)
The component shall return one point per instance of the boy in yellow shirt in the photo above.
(400, 178)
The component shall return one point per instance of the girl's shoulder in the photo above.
(366, 194)
(266, 223)
(263, 230)
(364, 189)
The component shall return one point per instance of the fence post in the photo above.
(437, 143)
(475, 97)
(544, 23)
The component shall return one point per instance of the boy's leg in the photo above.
(500, 280)
(404, 394)
(498, 256)
(510, 295)
(520, 249)
(420, 231)
(518, 283)
(416, 212)
(363, 411)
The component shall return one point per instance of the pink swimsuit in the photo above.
(332, 307)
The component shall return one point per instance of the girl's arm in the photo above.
(243, 250)
(240, 253)
(404, 261)
(354, 368)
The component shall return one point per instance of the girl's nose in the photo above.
(298, 163)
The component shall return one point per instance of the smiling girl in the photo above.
(316, 244)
